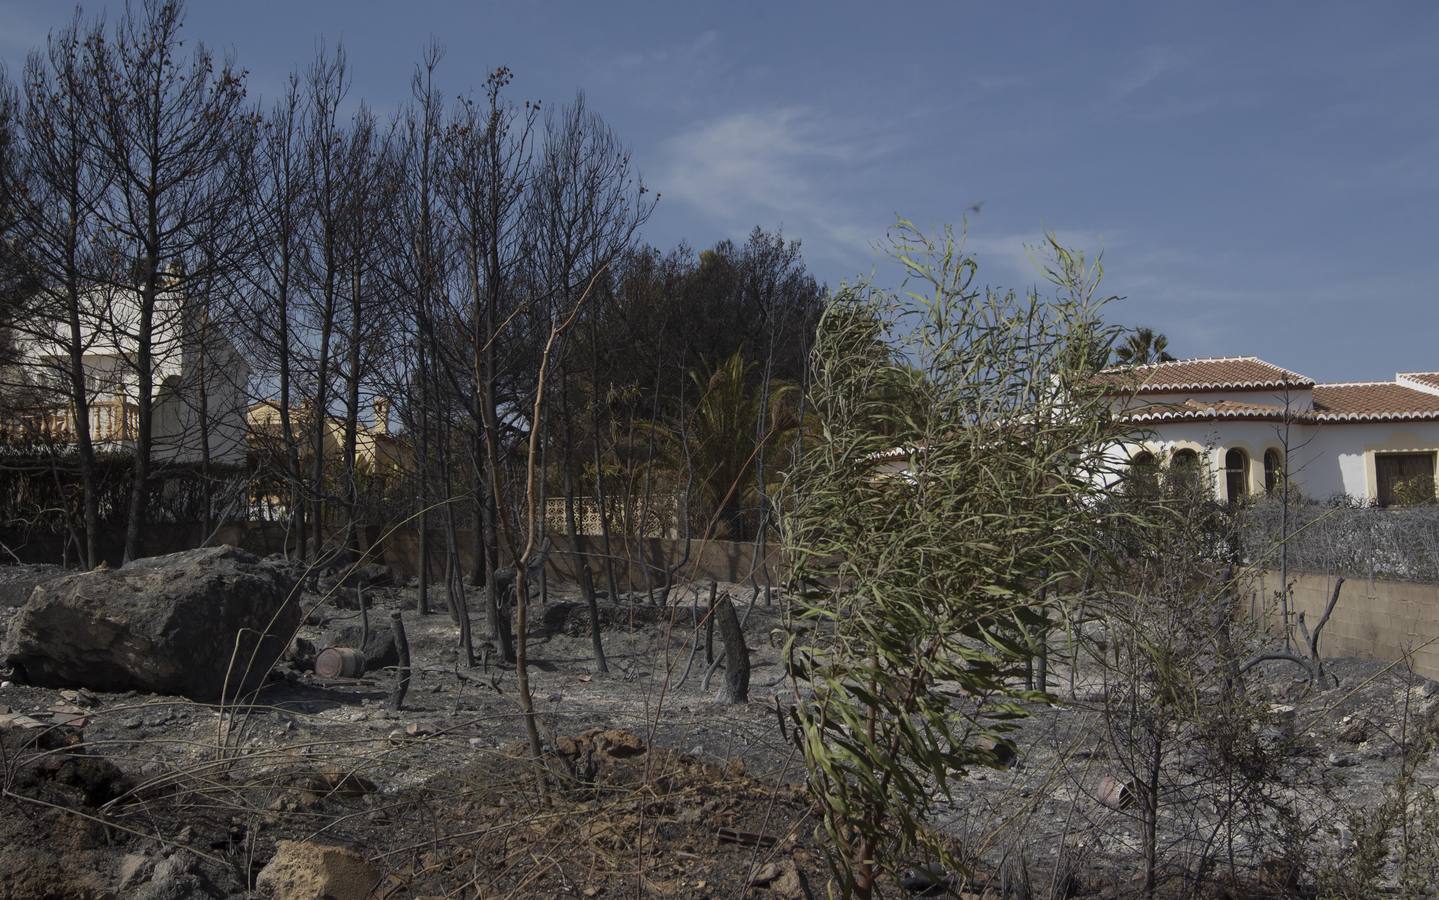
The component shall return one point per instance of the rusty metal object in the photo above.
(1114, 793)
(340, 662)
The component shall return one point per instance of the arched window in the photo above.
(1273, 468)
(1143, 478)
(1184, 472)
(1236, 474)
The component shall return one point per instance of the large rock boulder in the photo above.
(167, 624)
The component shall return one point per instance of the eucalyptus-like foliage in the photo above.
(925, 588)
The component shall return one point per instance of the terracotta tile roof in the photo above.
(1216, 374)
(1424, 380)
(1369, 401)
(1204, 409)
(893, 454)
(1372, 401)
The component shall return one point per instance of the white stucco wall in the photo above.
(177, 431)
(1326, 458)
(110, 327)
(1352, 448)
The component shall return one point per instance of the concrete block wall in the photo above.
(1388, 620)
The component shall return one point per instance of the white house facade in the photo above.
(1234, 418)
(199, 380)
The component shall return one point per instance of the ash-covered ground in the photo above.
(653, 789)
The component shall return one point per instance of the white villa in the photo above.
(186, 356)
(1375, 441)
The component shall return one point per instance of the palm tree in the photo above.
(1143, 346)
(718, 443)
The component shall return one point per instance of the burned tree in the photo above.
(274, 217)
(50, 181)
(587, 205)
(736, 654)
(485, 177)
(324, 146)
(172, 136)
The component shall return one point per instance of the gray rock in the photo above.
(1356, 731)
(380, 649)
(174, 878)
(168, 624)
(305, 869)
(301, 654)
(133, 870)
(369, 575)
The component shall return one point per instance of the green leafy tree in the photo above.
(922, 590)
(715, 446)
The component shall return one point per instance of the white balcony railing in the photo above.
(111, 421)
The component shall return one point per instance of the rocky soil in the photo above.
(649, 787)
(644, 772)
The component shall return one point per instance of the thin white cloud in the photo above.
(778, 166)
(1018, 258)
(657, 56)
(1149, 65)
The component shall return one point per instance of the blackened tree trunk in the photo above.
(47, 191)
(601, 507)
(324, 145)
(710, 625)
(454, 580)
(277, 190)
(175, 138)
(736, 655)
(582, 563)
(422, 474)
(396, 699)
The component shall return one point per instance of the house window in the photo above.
(1404, 479)
(1143, 478)
(1236, 474)
(1273, 468)
(1184, 472)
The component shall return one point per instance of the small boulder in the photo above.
(301, 654)
(379, 648)
(928, 880)
(168, 624)
(1356, 730)
(996, 752)
(302, 870)
(603, 743)
(781, 878)
(341, 582)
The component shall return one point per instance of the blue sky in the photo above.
(1261, 178)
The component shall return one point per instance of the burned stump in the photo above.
(736, 655)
